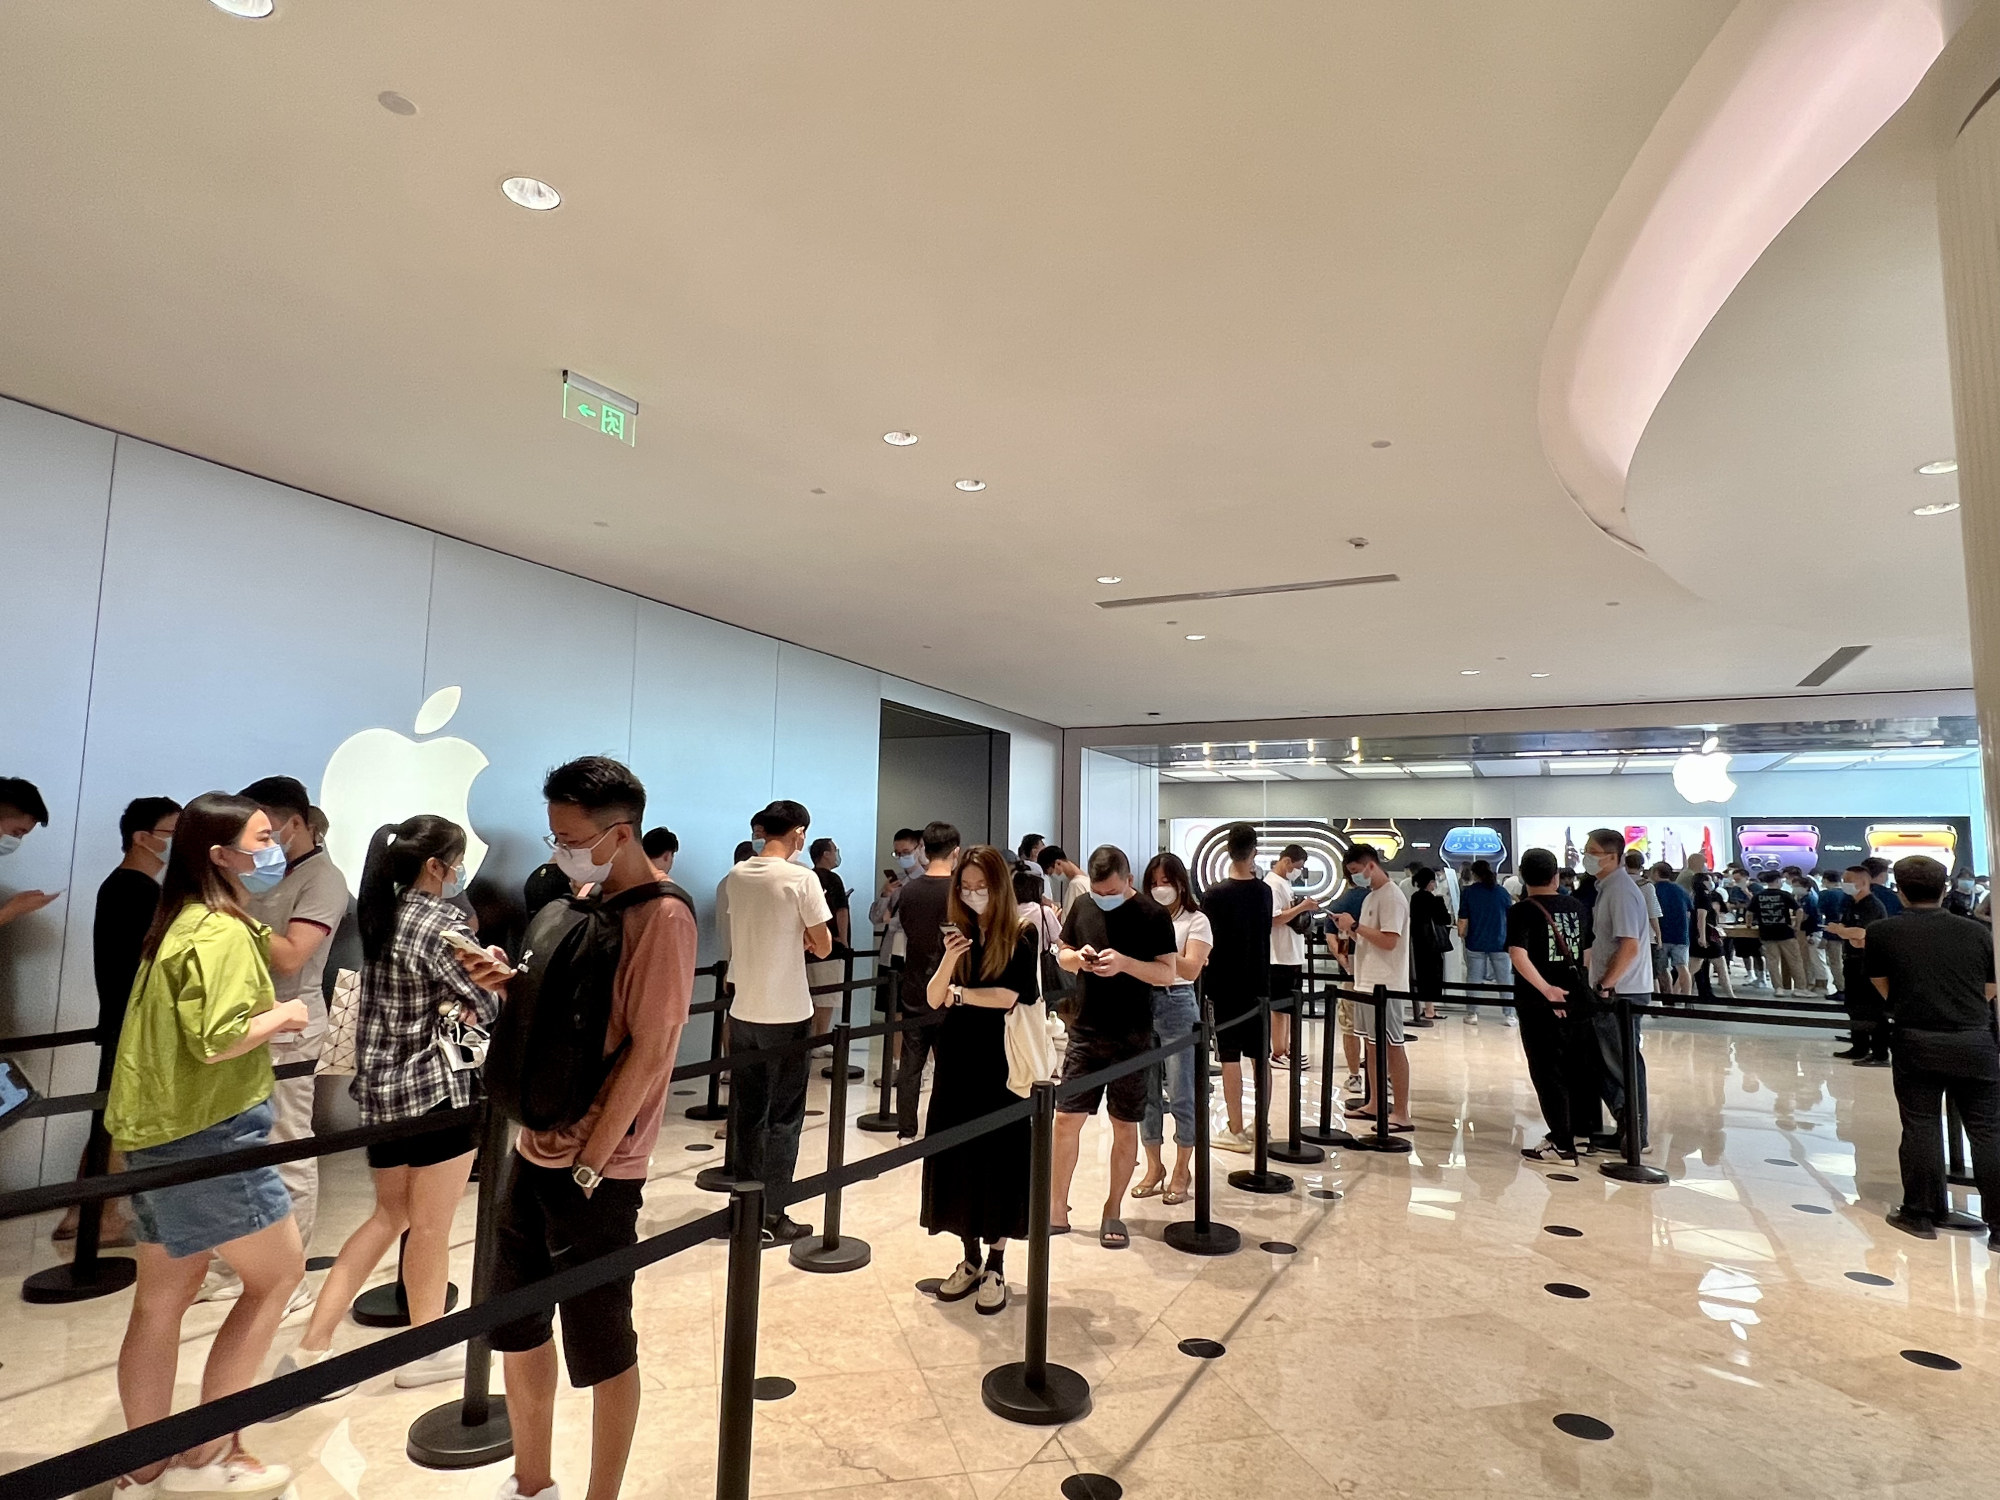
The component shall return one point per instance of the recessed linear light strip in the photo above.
(1838, 662)
(1275, 588)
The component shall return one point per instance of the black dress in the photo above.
(981, 1187)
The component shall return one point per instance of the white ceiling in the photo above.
(1159, 273)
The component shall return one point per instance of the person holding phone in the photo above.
(193, 1079)
(416, 998)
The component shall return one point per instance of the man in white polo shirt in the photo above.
(777, 914)
(1381, 956)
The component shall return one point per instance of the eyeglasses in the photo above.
(549, 839)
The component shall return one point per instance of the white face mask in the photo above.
(1846, 885)
(578, 864)
(975, 901)
(9, 842)
(1166, 895)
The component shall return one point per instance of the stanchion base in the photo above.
(1063, 1395)
(1631, 1171)
(814, 1254)
(879, 1124)
(439, 1439)
(1395, 1145)
(852, 1072)
(1260, 1182)
(1326, 1136)
(387, 1307)
(715, 1179)
(1302, 1154)
(1971, 1223)
(66, 1283)
(1187, 1237)
(707, 1111)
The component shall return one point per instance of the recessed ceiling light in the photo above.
(1935, 466)
(1110, 578)
(1941, 508)
(249, 10)
(1469, 672)
(395, 103)
(531, 193)
(1538, 674)
(972, 486)
(899, 439)
(1197, 637)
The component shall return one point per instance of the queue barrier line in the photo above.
(43, 1040)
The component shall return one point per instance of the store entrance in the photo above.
(935, 768)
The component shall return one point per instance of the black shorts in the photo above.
(1125, 1097)
(547, 1225)
(1234, 1043)
(424, 1150)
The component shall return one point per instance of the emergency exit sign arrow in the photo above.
(600, 407)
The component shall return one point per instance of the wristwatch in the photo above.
(586, 1178)
(957, 995)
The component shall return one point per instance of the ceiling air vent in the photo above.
(1836, 663)
(1251, 593)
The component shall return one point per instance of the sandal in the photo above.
(1173, 1197)
(1112, 1235)
(1150, 1189)
(1055, 1228)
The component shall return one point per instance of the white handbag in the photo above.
(1031, 1053)
(343, 1017)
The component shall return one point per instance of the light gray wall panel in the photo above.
(828, 746)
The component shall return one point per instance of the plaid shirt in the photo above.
(398, 1071)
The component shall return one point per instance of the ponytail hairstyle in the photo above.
(211, 819)
(999, 926)
(397, 855)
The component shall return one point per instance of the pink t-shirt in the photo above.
(653, 990)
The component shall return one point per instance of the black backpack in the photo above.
(547, 1063)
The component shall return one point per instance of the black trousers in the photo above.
(1930, 1067)
(767, 1105)
(1564, 1066)
(1866, 1017)
(1611, 1056)
(917, 1044)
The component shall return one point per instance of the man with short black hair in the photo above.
(1381, 956)
(1031, 846)
(1878, 870)
(1619, 963)
(1545, 946)
(825, 856)
(1066, 880)
(777, 915)
(921, 908)
(1123, 945)
(1935, 971)
(1288, 948)
(1776, 913)
(1676, 906)
(662, 846)
(572, 1195)
(1834, 907)
(1867, 1023)
(22, 810)
(1238, 973)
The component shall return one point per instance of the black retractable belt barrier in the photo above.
(86, 1274)
(739, 1343)
(712, 1108)
(1258, 1176)
(1382, 1138)
(1295, 1150)
(883, 1121)
(831, 1252)
(1032, 1390)
(1203, 1236)
(1632, 1119)
(473, 1430)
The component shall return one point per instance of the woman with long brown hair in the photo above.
(979, 1190)
(193, 1079)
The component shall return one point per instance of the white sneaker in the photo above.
(432, 1369)
(1472, 1018)
(305, 1359)
(239, 1476)
(1233, 1140)
(960, 1284)
(511, 1490)
(992, 1293)
(301, 1301)
(1354, 1085)
(219, 1285)
(1509, 1021)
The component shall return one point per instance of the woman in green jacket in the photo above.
(192, 1080)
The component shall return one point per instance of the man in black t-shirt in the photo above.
(1776, 914)
(1239, 971)
(1867, 1023)
(1565, 1064)
(1935, 971)
(920, 908)
(1122, 942)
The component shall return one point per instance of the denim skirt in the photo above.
(196, 1217)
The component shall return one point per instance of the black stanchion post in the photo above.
(1381, 1138)
(712, 1108)
(1258, 1176)
(883, 1121)
(87, 1275)
(1326, 1133)
(389, 1306)
(473, 1430)
(1956, 1172)
(1295, 1150)
(739, 1343)
(831, 1252)
(1631, 1123)
(1032, 1390)
(846, 1008)
(1203, 1236)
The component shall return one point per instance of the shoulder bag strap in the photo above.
(1569, 953)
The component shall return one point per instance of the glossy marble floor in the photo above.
(1409, 1346)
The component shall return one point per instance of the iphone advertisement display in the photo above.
(1829, 845)
(1671, 839)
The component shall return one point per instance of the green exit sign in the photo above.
(601, 408)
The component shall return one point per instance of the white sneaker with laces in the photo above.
(992, 1293)
(237, 1475)
(219, 1285)
(1472, 1018)
(305, 1359)
(1234, 1140)
(432, 1369)
(1354, 1085)
(301, 1301)
(511, 1490)
(962, 1283)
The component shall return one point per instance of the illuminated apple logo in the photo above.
(378, 776)
(1704, 776)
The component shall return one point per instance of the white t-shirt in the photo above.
(1287, 946)
(1388, 909)
(770, 903)
(1192, 926)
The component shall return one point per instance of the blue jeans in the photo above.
(1174, 1013)
(1487, 968)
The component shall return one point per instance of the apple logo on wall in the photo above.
(378, 776)
(1704, 776)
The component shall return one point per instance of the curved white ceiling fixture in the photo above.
(1784, 95)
